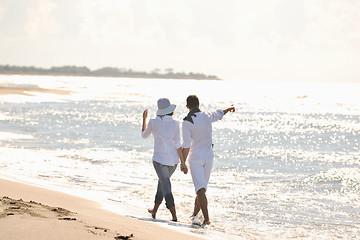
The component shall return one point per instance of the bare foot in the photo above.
(153, 214)
(174, 220)
(206, 222)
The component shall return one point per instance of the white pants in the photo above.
(200, 173)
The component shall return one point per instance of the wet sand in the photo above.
(29, 212)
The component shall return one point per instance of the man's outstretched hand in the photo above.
(230, 109)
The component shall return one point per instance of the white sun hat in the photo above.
(164, 107)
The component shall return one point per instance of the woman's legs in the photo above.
(158, 200)
(164, 189)
(172, 209)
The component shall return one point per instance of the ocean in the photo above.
(286, 162)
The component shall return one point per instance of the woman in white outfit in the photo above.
(167, 151)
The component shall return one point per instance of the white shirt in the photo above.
(198, 135)
(166, 132)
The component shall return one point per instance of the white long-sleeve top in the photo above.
(166, 132)
(198, 135)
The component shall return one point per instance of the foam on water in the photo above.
(286, 163)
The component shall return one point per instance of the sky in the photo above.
(266, 40)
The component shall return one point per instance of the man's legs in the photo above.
(200, 172)
(201, 197)
(196, 207)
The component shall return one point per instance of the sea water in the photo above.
(286, 162)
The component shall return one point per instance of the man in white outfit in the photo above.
(197, 147)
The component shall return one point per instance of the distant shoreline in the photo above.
(102, 72)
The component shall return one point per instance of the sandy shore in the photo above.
(27, 91)
(33, 213)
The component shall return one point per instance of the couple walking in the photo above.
(196, 147)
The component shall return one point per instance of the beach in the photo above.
(29, 212)
(286, 162)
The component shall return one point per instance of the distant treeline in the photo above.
(103, 72)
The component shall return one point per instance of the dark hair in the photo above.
(170, 114)
(192, 101)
